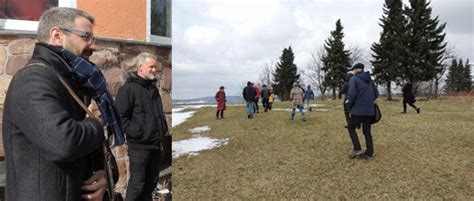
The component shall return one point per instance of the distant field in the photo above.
(426, 156)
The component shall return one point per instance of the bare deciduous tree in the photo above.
(315, 74)
(358, 55)
(449, 54)
(266, 75)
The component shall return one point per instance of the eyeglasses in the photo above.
(88, 36)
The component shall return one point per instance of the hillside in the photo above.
(426, 156)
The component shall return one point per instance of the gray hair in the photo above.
(140, 59)
(62, 17)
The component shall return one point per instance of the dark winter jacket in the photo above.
(408, 96)
(51, 148)
(308, 94)
(361, 96)
(265, 93)
(249, 94)
(345, 87)
(141, 110)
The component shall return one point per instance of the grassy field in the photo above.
(425, 156)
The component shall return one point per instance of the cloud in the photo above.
(243, 16)
(228, 42)
(200, 35)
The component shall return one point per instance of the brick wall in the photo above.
(116, 60)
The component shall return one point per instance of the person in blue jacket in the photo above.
(308, 96)
(359, 103)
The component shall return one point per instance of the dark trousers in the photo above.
(144, 172)
(357, 120)
(405, 105)
(265, 104)
(347, 117)
(220, 112)
(255, 106)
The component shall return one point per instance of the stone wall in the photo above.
(116, 60)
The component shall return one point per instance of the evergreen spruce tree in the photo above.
(467, 85)
(461, 83)
(387, 53)
(285, 74)
(336, 60)
(425, 40)
(455, 77)
(450, 79)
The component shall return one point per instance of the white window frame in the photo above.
(154, 38)
(31, 26)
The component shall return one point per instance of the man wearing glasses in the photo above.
(51, 147)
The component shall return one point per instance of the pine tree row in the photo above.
(411, 45)
(459, 78)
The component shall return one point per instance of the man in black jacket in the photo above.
(52, 149)
(144, 121)
(249, 96)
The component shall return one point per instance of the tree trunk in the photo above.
(414, 87)
(436, 88)
(389, 90)
(339, 95)
(430, 92)
(334, 93)
(323, 91)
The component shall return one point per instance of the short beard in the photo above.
(68, 45)
(150, 77)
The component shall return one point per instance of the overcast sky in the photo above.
(228, 42)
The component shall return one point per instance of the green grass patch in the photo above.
(417, 156)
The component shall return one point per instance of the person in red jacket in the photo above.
(220, 99)
(257, 97)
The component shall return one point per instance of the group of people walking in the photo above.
(252, 94)
(359, 104)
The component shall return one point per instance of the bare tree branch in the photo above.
(358, 55)
(266, 75)
(315, 74)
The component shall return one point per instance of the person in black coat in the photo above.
(408, 98)
(249, 96)
(144, 122)
(52, 150)
(265, 93)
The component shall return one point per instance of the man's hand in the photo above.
(97, 185)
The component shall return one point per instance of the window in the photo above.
(24, 9)
(23, 15)
(160, 21)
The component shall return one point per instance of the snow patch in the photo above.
(199, 130)
(193, 146)
(321, 110)
(177, 109)
(198, 106)
(180, 117)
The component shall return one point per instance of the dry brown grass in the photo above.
(425, 156)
